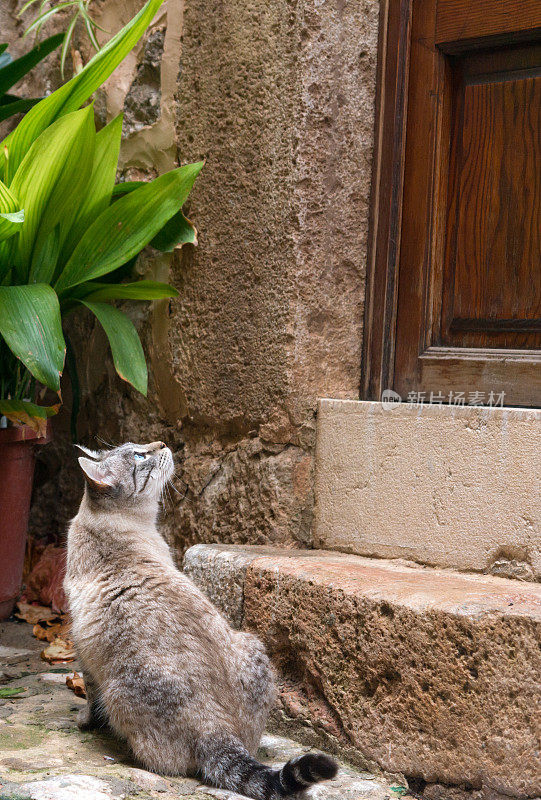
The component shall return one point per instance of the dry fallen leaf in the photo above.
(38, 424)
(41, 633)
(59, 650)
(34, 614)
(76, 683)
(51, 629)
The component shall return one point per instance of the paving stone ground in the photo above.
(44, 756)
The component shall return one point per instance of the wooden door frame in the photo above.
(380, 315)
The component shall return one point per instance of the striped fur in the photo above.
(162, 667)
(225, 762)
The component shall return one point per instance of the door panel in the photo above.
(492, 291)
(458, 21)
(468, 306)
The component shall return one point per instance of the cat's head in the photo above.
(128, 474)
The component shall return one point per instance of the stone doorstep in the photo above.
(446, 486)
(428, 673)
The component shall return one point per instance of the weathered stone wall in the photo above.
(279, 98)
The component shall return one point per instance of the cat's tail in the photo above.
(224, 762)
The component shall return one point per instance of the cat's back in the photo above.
(124, 589)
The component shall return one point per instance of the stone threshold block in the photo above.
(446, 486)
(427, 672)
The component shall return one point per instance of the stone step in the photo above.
(426, 672)
(386, 475)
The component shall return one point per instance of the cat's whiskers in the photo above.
(169, 498)
(107, 444)
(162, 484)
(172, 486)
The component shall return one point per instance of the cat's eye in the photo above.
(139, 456)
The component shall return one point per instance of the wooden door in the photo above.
(455, 281)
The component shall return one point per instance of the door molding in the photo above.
(385, 218)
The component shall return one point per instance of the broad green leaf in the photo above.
(46, 257)
(176, 232)
(11, 73)
(8, 201)
(76, 91)
(23, 412)
(30, 324)
(98, 189)
(5, 264)
(48, 183)
(128, 356)
(109, 57)
(11, 213)
(141, 290)
(16, 107)
(123, 229)
(126, 187)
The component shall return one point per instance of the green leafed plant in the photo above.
(12, 71)
(79, 10)
(64, 225)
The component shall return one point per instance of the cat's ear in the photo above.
(96, 474)
(92, 453)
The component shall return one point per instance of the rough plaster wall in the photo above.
(279, 99)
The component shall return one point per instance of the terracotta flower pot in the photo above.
(16, 474)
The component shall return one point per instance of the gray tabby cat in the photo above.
(162, 667)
